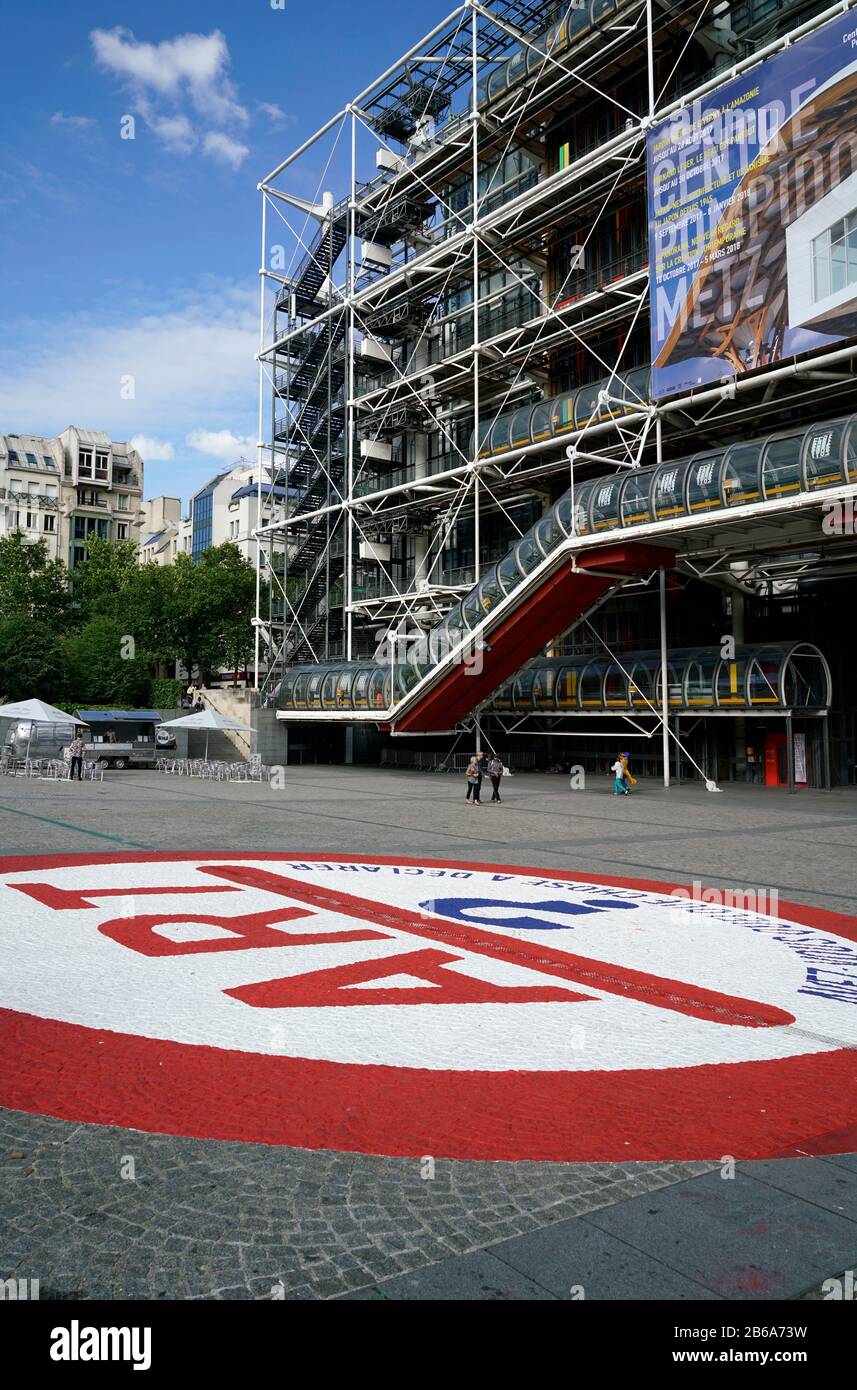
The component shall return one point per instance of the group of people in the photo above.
(192, 700)
(623, 781)
(481, 767)
(477, 769)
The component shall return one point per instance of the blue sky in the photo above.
(139, 257)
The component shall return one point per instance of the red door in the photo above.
(776, 771)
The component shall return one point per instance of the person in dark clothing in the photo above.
(495, 772)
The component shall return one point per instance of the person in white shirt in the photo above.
(619, 785)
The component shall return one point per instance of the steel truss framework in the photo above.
(387, 335)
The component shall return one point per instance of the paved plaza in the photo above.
(120, 1210)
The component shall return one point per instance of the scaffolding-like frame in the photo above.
(490, 373)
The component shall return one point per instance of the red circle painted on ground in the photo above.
(804, 1103)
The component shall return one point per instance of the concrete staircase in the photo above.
(234, 704)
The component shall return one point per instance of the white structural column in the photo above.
(260, 450)
(650, 56)
(350, 414)
(474, 117)
(665, 687)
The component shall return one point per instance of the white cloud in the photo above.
(189, 71)
(222, 444)
(176, 132)
(188, 367)
(77, 122)
(152, 450)
(276, 113)
(222, 147)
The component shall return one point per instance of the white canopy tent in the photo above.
(207, 719)
(37, 712)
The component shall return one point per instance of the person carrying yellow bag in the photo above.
(623, 758)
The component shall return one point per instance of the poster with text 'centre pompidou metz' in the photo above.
(753, 216)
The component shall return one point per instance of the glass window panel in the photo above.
(377, 693)
(500, 435)
(361, 689)
(674, 687)
(523, 690)
(516, 67)
(600, 10)
(562, 414)
(731, 682)
(562, 512)
(668, 490)
(519, 429)
(615, 687)
(635, 387)
(527, 555)
(591, 686)
(406, 679)
(543, 689)
(604, 505)
(781, 470)
(634, 507)
(497, 82)
(582, 494)
(313, 694)
(508, 573)
(472, 609)
(703, 487)
(806, 683)
(741, 474)
(641, 686)
(490, 590)
(299, 697)
(548, 534)
(699, 681)
(540, 424)
(536, 53)
(328, 690)
(578, 20)
(586, 409)
(765, 680)
(567, 688)
(343, 690)
(503, 697)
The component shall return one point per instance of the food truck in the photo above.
(119, 738)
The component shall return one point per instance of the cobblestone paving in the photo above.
(215, 1220)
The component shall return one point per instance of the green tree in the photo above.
(103, 668)
(107, 582)
(230, 585)
(32, 660)
(32, 585)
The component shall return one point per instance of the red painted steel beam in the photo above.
(521, 634)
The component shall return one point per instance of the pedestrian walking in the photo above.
(619, 786)
(629, 780)
(474, 780)
(495, 772)
(75, 749)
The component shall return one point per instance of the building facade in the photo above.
(467, 346)
(66, 489)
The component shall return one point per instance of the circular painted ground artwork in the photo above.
(395, 1006)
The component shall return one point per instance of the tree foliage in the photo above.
(31, 585)
(115, 624)
(32, 660)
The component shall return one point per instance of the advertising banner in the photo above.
(752, 195)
